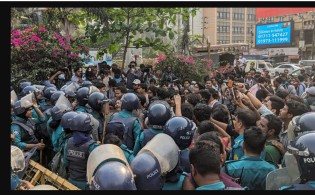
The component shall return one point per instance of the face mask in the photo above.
(61, 76)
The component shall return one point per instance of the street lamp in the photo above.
(203, 28)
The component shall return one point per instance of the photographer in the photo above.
(145, 74)
(132, 74)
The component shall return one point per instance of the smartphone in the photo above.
(230, 83)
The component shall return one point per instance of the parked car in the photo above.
(289, 67)
(260, 65)
(279, 63)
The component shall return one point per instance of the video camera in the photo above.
(147, 68)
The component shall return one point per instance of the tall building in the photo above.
(228, 25)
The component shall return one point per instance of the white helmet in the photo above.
(17, 159)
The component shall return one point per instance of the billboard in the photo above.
(278, 34)
(285, 51)
(280, 11)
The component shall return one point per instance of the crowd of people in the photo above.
(146, 129)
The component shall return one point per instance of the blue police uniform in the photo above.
(178, 185)
(82, 184)
(136, 124)
(141, 142)
(56, 136)
(237, 151)
(128, 153)
(251, 170)
(100, 119)
(310, 185)
(215, 186)
(23, 136)
(81, 109)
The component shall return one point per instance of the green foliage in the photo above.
(35, 52)
(185, 66)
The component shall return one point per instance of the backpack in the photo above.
(123, 128)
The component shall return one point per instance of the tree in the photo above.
(123, 28)
(35, 52)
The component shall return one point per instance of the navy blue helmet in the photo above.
(48, 91)
(18, 109)
(27, 90)
(130, 102)
(55, 96)
(56, 113)
(82, 96)
(86, 84)
(113, 175)
(148, 172)
(81, 122)
(158, 115)
(181, 129)
(303, 148)
(25, 84)
(306, 122)
(67, 118)
(96, 101)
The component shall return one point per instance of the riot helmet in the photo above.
(306, 122)
(113, 175)
(67, 118)
(55, 96)
(82, 96)
(17, 159)
(48, 91)
(158, 115)
(181, 129)
(81, 122)
(303, 148)
(28, 89)
(86, 84)
(130, 102)
(96, 101)
(147, 169)
(25, 84)
(21, 107)
(57, 113)
(14, 97)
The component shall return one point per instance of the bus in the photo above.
(232, 48)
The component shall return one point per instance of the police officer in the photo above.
(96, 101)
(109, 171)
(181, 129)
(55, 96)
(130, 102)
(154, 162)
(303, 149)
(305, 123)
(158, 114)
(78, 149)
(18, 165)
(23, 126)
(82, 97)
(113, 175)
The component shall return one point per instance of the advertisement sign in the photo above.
(285, 51)
(273, 34)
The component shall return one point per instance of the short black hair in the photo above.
(212, 136)
(274, 122)
(282, 93)
(202, 112)
(247, 117)
(205, 157)
(254, 139)
(206, 126)
(194, 98)
(296, 108)
(123, 89)
(187, 110)
(276, 103)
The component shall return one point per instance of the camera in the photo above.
(147, 68)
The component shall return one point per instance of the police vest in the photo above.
(184, 160)
(27, 135)
(129, 139)
(77, 157)
(148, 135)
